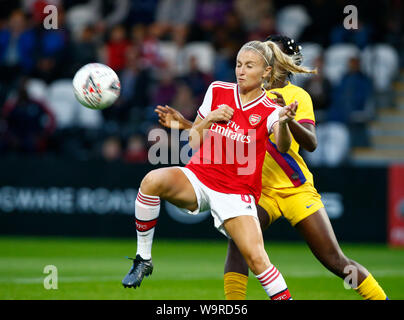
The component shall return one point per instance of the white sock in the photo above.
(147, 209)
(274, 284)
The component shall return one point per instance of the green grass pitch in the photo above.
(183, 270)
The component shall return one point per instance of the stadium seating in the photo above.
(381, 63)
(333, 145)
(205, 54)
(291, 21)
(336, 59)
(78, 17)
(67, 110)
(203, 51)
(62, 102)
(37, 89)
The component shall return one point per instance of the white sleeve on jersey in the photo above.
(206, 106)
(272, 119)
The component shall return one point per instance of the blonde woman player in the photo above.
(288, 190)
(233, 117)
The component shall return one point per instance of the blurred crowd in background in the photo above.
(168, 52)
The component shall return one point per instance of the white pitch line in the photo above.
(60, 279)
(296, 274)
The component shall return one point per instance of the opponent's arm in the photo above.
(200, 126)
(171, 118)
(304, 133)
(283, 136)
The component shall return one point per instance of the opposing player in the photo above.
(224, 175)
(288, 190)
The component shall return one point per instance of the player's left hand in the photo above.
(288, 113)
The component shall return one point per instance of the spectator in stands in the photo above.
(197, 80)
(351, 103)
(84, 50)
(52, 50)
(252, 11)
(28, 123)
(320, 91)
(115, 49)
(211, 14)
(166, 89)
(150, 48)
(180, 65)
(361, 37)
(230, 36)
(184, 101)
(136, 82)
(347, 117)
(267, 25)
(17, 45)
(351, 95)
(136, 151)
(138, 33)
(227, 40)
(111, 149)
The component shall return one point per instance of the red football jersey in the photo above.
(231, 155)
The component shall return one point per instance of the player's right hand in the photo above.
(170, 118)
(288, 113)
(224, 113)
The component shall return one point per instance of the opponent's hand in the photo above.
(288, 113)
(170, 118)
(279, 98)
(224, 113)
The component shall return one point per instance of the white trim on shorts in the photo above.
(222, 206)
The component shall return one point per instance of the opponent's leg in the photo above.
(235, 274)
(236, 268)
(170, 184)
(319, 235)
(247, 235)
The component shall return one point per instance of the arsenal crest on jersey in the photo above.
(254, 119)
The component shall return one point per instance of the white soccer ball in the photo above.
(96, 86)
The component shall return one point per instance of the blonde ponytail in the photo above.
(283, 64)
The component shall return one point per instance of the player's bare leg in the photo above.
(319, 235)
(247, 235)
(167, 183)
(236, 268)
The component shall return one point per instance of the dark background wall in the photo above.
(91, 198)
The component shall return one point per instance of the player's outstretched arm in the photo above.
(283, 137)
(171, 118)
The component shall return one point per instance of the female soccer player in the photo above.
(233, 123)
(288, 190)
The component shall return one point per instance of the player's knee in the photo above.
(152, 183)
(256, 260)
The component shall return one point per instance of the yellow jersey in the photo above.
(285, 170)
